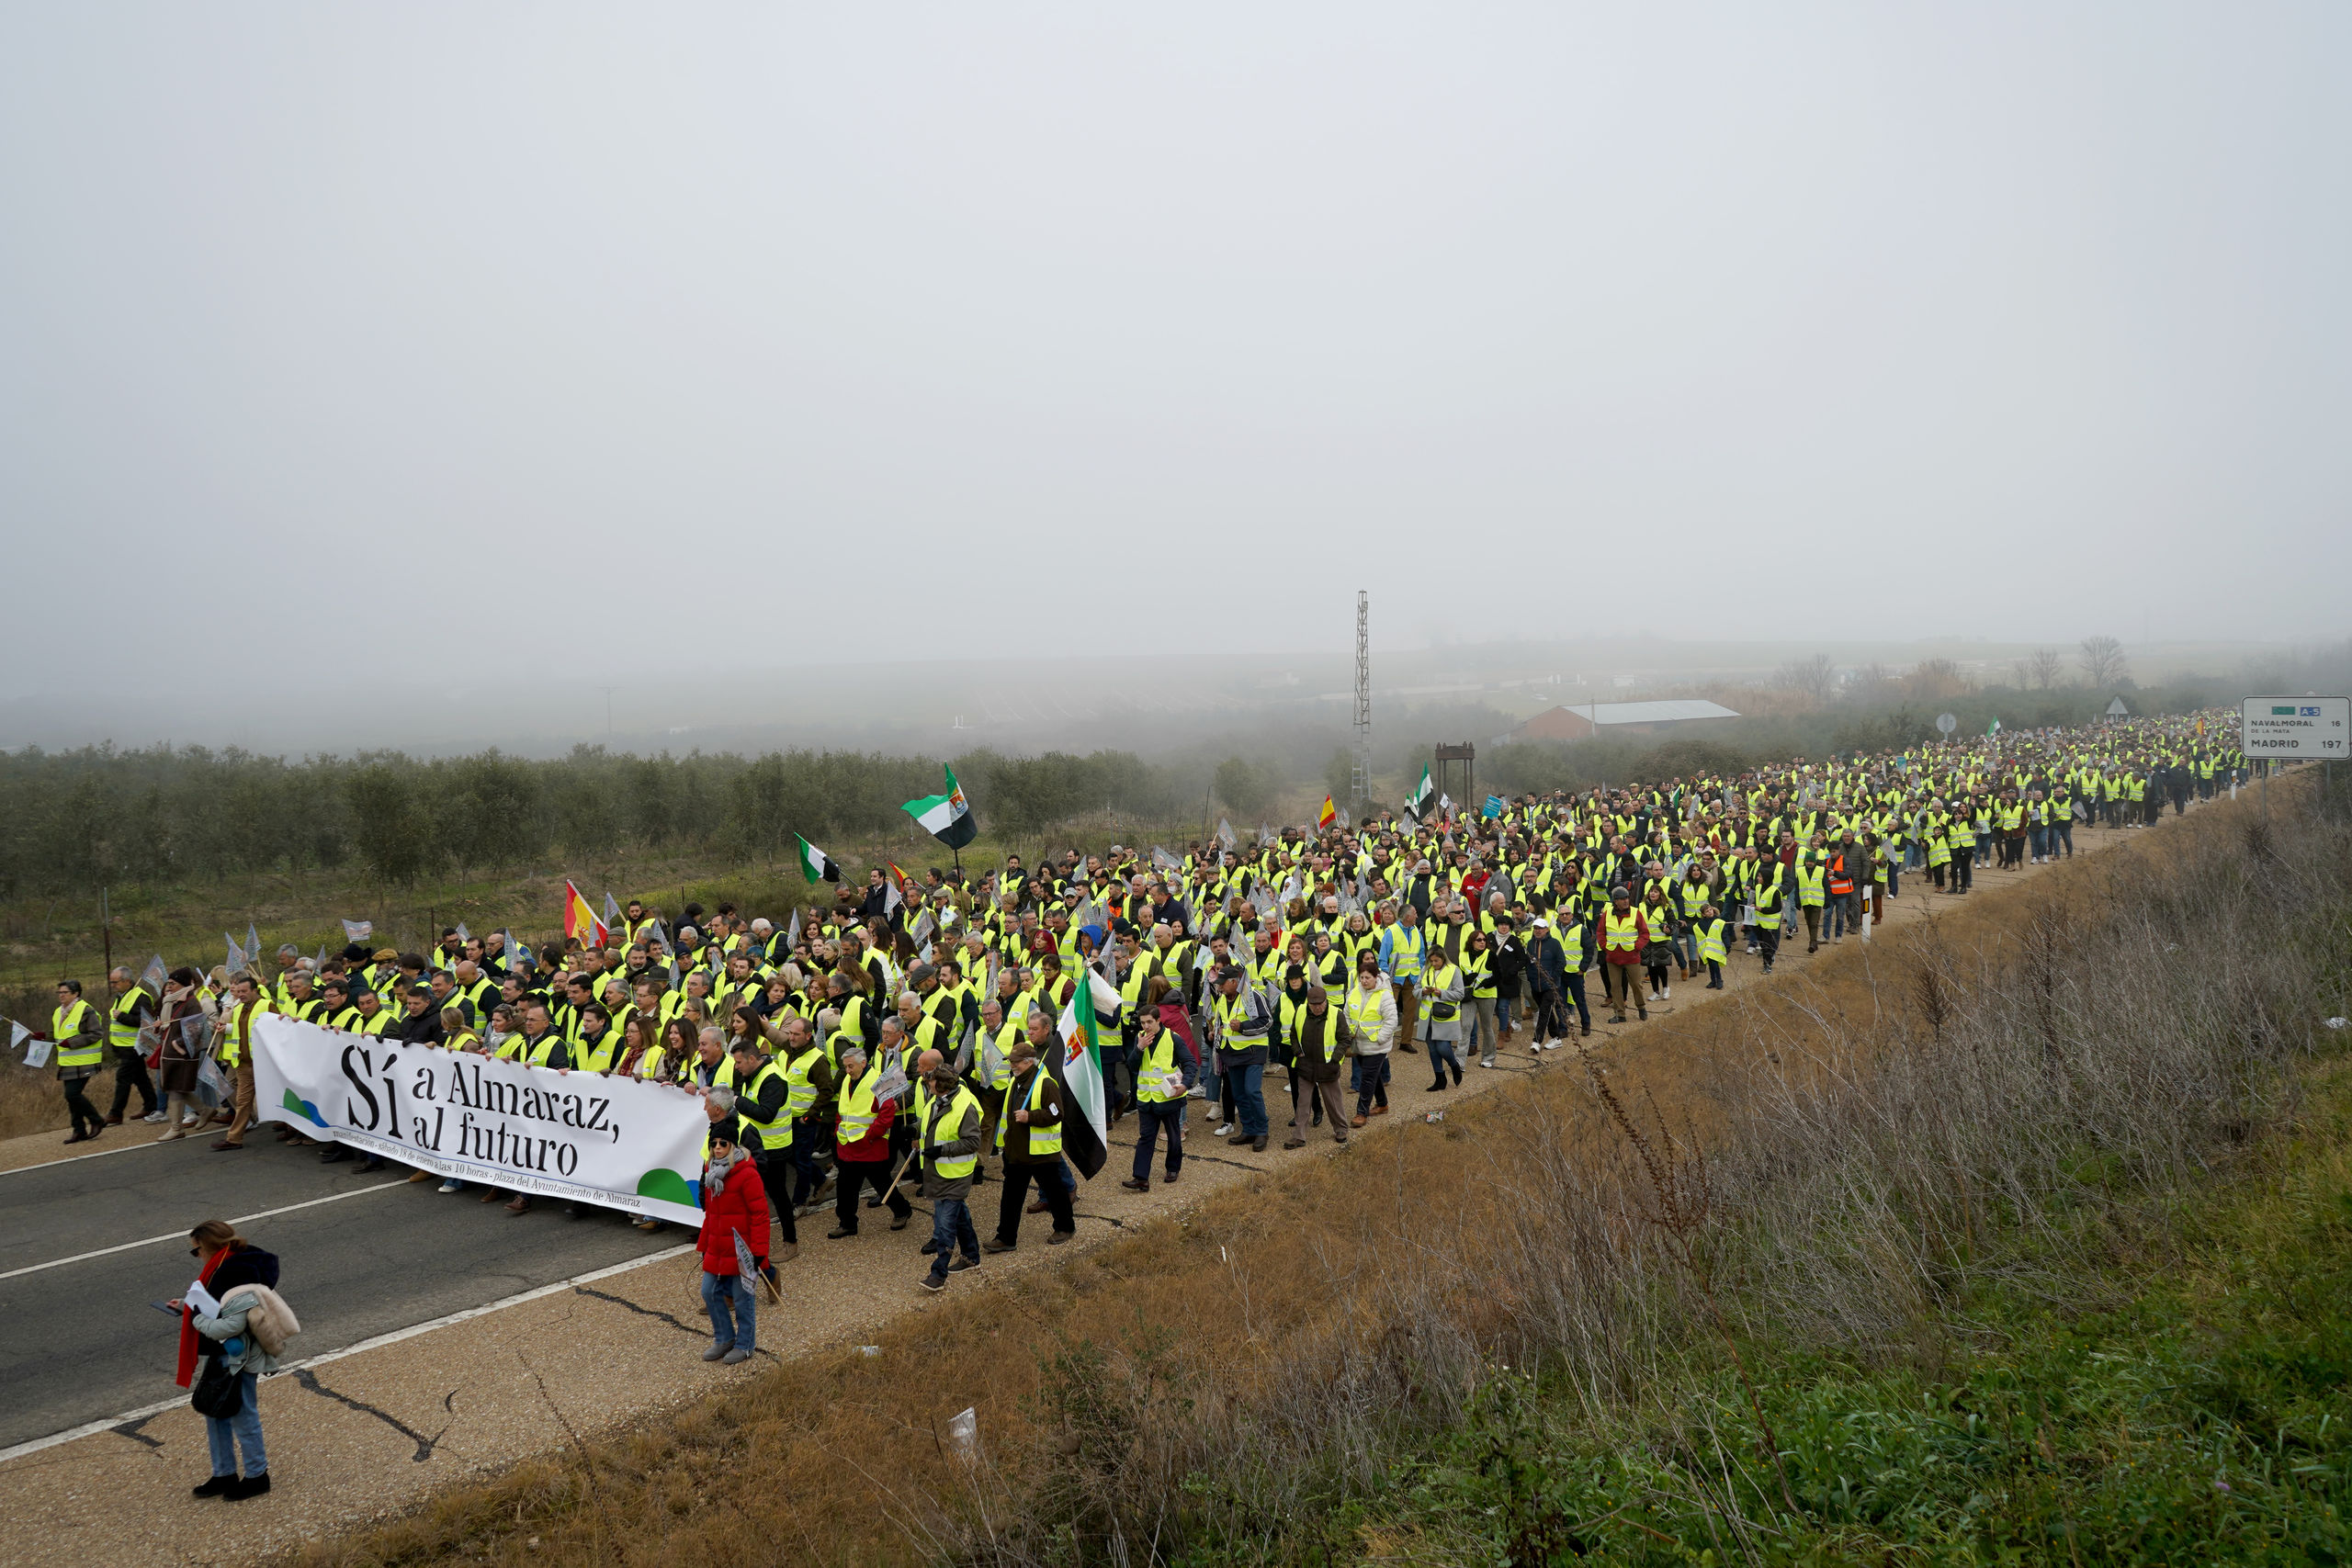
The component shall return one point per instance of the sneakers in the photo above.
(935, 1283)
(1226, 1130)
(153, 1118)
(452, 1185)
(963, 1263)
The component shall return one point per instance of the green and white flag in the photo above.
(947, 817)
(1419, 797)
(1086, 1136)
(815, 863)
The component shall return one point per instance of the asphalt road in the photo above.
(83, 1343)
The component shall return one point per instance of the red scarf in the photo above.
(190, 1341)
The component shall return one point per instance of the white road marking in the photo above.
(101, 1153)
(91, 1428)
(182, 1235)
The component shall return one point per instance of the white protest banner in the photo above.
(619, 1143)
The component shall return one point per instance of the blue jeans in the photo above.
(1370, 1078)
(242, 1430)
(721, 1292)
(1503, 1006)
(1245, 1092)
(1151, 1117)
(2039, 838)
(1443, 1051)
(950, 1227)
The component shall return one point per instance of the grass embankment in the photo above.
(48, 939)
(2016, 1236)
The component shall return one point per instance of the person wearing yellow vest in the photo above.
(1371, 1008)
(1623, 934)
(81, 1049)
(1402, 949)
(764, 1106)
(1708, 930)
(862, 1144)
(948, 1141)
(1165, 1070)
(1440, 994)
(809, 1091)
(1811, 869)
(130, 1008)
(1029, 1139)
(1318, 1040)
(236, 1053)
(1245, 1028)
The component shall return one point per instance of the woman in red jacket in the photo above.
(734, 1220)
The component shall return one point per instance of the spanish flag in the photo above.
(1328, 815)
(580, 919)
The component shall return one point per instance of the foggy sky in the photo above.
(521, 340)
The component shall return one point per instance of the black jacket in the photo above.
(245, 1265)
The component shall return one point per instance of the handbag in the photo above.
(219, 1392)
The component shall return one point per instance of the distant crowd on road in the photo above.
(1333, 951)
